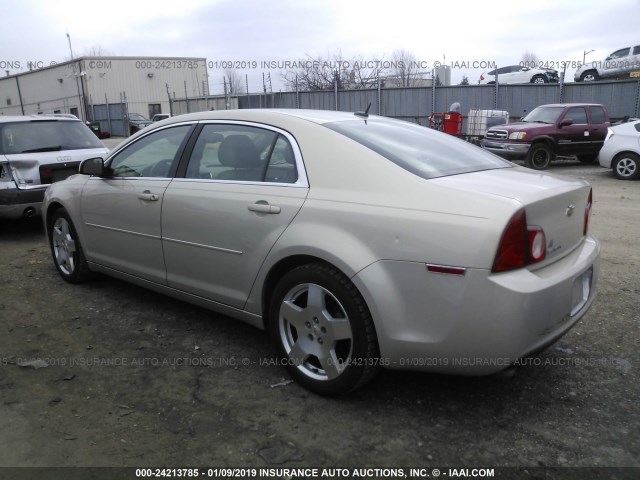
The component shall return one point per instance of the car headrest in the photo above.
(238, 151)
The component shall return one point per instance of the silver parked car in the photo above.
(621, 150)
(35, 151)
(617, 64)
(357, 241)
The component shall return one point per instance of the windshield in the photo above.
(137, 116)
(544, 115)
(420, 150)
(46, 136)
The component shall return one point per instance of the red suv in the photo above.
(549, 130)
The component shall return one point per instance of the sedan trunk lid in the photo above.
(554, 203)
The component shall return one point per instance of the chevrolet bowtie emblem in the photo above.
(569, 211)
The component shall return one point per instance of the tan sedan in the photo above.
(357, 241)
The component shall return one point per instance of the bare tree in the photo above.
(97, 51)
(234, 81)
(322, 73)
(465, 80)
(403, 71)
(364, 73)
(316, 73)
(529, 59)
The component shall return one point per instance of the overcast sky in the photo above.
(457, 31)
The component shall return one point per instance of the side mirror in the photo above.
(566, 122)
(92, 166)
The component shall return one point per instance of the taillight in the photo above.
(520, 245)
(537, 244)
(587, 212)
(46, 176)
(481, 77)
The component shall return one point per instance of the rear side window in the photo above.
(597, 115)
(45, 136)
(419, 150)
(242, 153)
(578, 115)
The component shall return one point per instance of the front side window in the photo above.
(45, 136)
(151, 156)
(417, 149)
(578, 115)
(242, 153)
(619, 54)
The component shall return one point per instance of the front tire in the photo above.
(66, 249)
(539, 157)
(589, 76)
(539, 79)
(323, 330)
(626, 166)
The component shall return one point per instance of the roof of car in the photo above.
(572, 105)
(30, 118)
(266, 114)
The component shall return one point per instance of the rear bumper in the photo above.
(478, 323)
(506, 150)
(17, 203)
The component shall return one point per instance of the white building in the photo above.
(105, 89)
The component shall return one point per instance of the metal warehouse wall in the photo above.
(50, 89)
(143, 80)
(100, 81)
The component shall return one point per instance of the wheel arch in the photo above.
(277, 271)
(623, 153)
(593, 71)
(544, 139)
(52, 208)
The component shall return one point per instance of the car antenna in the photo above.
(364, 114)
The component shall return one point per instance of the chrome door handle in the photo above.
(147, 196)
(263, 207)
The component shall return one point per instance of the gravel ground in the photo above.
(140, 380)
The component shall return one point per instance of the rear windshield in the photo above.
(46, 136)
(419, 150)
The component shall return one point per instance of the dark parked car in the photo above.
(137, 122)
(550, 130)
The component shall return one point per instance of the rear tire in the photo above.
(323, 330)
(626, 166)
(539, 157)
(66, 249)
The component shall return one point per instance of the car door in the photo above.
(520, 74)
(242, 186)
(634, 60)
(121, 211)
(574, 138)
(505, 75)
(616, 63)
(599, 126)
